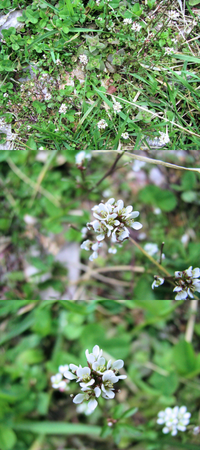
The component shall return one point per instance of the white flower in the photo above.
(58, 62)
(187, 283)
(125, 135)
(117, 107)
(151, 249)
(173, 15)
(92, 404)
(112, 250)
(86, 245)
(174, 419)
(127, 21)
(196, 430)
(163, 138)
(99, 365)
(63, 108)
(92, 357)
(47, 96)
(83, 374)
(5, 95)
(58, 382)
(169, 50)
(102, 124)
(108, 380)
(83, 59)
(81, 157)
(62, 369)
(136, 27)
(115, 366)
(157, 282)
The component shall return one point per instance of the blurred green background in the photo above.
(163, 370)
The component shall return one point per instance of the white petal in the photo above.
(69, 375)
(92, 405)
(118, 364)
(83, 371)
(136, 225)
(97, 391)
(196, 272)
(79, 398)
(181, 296)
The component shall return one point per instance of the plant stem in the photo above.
(109, 172)
(150, 257)
(191, 321)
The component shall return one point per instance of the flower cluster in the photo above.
(136, 27)
(186, 283)
(63, 108)
(96, 379)
(83, 59)
(112, 219)
(58, 381)
(175, 419)
(102, 124)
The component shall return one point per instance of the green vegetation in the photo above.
(132, 64)
(159, 343)
(46, 202)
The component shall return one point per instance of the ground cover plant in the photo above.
(99, 74)
(100, 225)
(94, 374)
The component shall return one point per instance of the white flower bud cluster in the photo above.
(186, 283)
(96, 379)
(58, 381)
(112, 220)
(175, 419)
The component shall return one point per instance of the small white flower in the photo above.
(5, 95)
(196, 430)
(108, 379)
(99, 365)
(63, 108)
(157, 282)
(62, 369)
(127, 21)
(83, 59)
(117, 107)
(58, 382)
(169, 50)
(86, 245)
(58, 62)
(47, 96)
(102, 124)
(164, 138)
(92, 357)
(173, 15)
(81, 157)
(112, 250)
(125, 135)
(136, 27)
(187, 283)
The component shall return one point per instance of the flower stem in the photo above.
(191, 321)
(150, 257)
(109, 172)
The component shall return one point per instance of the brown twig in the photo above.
(109, 172)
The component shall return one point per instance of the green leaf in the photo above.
(7, 438)
(130, 412)
(184, 357)
(162, 198)
(57, 428)
(189, 196)
(188, 181)
(31, 143)
(167, 385)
